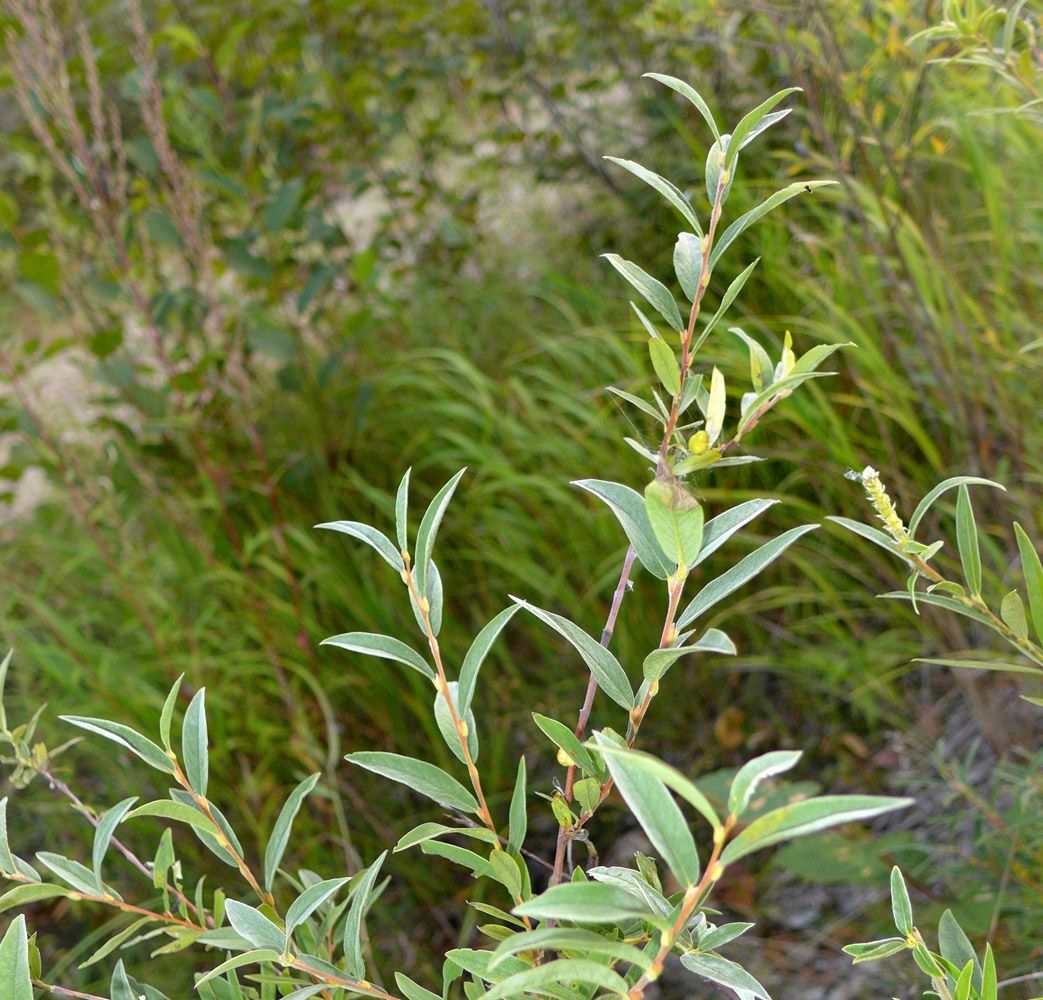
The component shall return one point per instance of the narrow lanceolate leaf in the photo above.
(765, 123)
(562, 736)
(570, 939)
(659, 661)
(308, 902)
(901, 908)
(114, 942)
(125, 737)
(810, 361)
(720, 528)
(402, 512)
(665, 364)
(374, 644)
(14, 961)
(372, 537)
(477, 653)
(281, 831)
(807, 816)
(925, 504)
(24, 895)
(668, 190)
(688, 264)
(103, 833)
(253, 957)
(753, 772)
(562, 970)
(585, 902)
(353, 923)
(870, 951)
(732, 233)
(7, 862)
(726, 300)
(760, 363)
(253, 925)
(967, 540)
(419, 775)
(715, 407)
(518, 817)
(1033, 573)
(686, 91)
(1012, 611)
(727, 973)
(742, 572)
(989, 985)
(955, 947)
(431, 831)
(119, 984)
(194, 743)
(610, 676)
(167, 713)
(446, 726)
(670, 777)
(428, 530)
(654, 291)
(784, 386)
(751, 120)
(875, 535)
(717, 186)
(80, 877)
(414, 991)
(629, 507)
(676, 518)
(659, 815)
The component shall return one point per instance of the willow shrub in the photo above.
(565, 926)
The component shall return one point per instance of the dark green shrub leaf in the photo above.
(688, 92)
(562, 970)
(429, 831)
(413, 991)
(428, 530)
(726, 300)
(659, 661)
(720, 936)
(900, 905)
(572, 939)
(1032, 570)
(104, 830)
(419, 775)
(381, 645)
(444, 721)
(477, 652)
(253, 925)
(753, 772)
(281, 831)
(688, 264)
(586, 902)
(676, 518)
(560, 735)
(870, 951)
(14, 961)
(167, 714)
(377, 539)
(119, 985)
(727, 973)
(126, 737)
(1012, 611)
(652, 289)
(967, 540)
(925, 504)
(665, 364)
(956, 947)
(23, 895)
(308, 902)
(253, 957)
(194, 743)
(668, 190)
(518, 817)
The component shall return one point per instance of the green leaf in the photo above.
(925, 504)
(444, 721)
(167, 714)
(989, 986)
(870, 951)
(691, 94)
(720, 528)
(402, 512)
(413, 991)
(765, 123)
(638, 402)
(875, 535)
(715, 190)
(461, 856)
(180, 811)
(668, 190)
(308, 902)
(14, 961)
(429, 831)
(742, 572)
(518, 816)
(253, 925)
(384, 646)
(722, 935)
(660, 660)
(688, 264)
(751, 120)
(80, 877)
(1002, 667)
(1012, 611)
(653, 290)
(726, 300)
(114, 942)
(721, 970)
(753, 772)
(962, 989)
(659, 815)
(810, 361)
(610, 676)
(732, 233)
(665, 365)
(670, 777)
(955, 947)
(562, 736)
(281, 831)
(253, 957)
(1032, 570)
(900, 905)
(23, 895)
(967, 540)
(103, 833)
(281, 207)
(428, 530)
(505, 871)
(8, 865)
(676, 518)
(570, 939)
(119, 984)
(942, 601)
(419, 775)
(161, 229)
(784, 385)
(194, 743)
(586, 902)
(125, 737)
(807, 816)
(477, 653)
(353, 923)
(376, 539)
(562, 970)
(629, 507)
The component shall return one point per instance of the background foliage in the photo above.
(329, 241)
